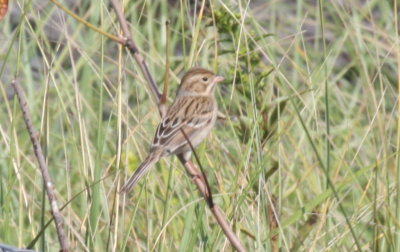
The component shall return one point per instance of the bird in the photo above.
(194, 111)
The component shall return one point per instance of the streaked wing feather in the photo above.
(187, 113)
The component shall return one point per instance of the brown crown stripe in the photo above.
(196, 70)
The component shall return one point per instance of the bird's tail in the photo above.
(144, 167)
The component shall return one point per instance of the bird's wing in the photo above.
(190, 114)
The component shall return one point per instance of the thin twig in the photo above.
(191, 169)
(42, 166)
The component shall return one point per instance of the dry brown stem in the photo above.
(42, 166)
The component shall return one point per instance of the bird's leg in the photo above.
(187, 155)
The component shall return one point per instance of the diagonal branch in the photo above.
(191, 169)
(42, 166)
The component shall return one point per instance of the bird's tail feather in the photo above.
(151, 159)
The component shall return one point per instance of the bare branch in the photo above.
(199, 180)
(42, 166)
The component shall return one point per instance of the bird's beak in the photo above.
(218, 79)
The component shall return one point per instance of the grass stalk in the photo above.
(397, 197)
(330, 183)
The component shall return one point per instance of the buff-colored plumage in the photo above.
(194, 111)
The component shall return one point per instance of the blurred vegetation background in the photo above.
(304, 157)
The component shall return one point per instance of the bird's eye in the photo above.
(205, 79)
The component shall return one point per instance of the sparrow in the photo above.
(194, 111)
